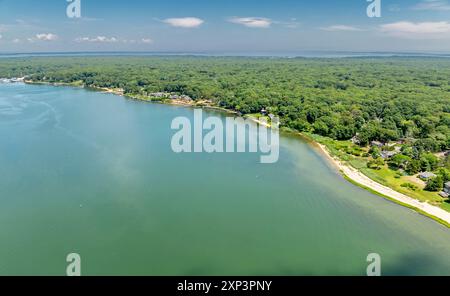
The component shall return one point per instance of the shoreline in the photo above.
(119, 92)
(349, 173)
(359, 179)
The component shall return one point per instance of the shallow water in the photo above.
(94, 174)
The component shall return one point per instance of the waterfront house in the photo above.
(388, 154)
(447, 187)
(182, 97)
(14, 80)
(158, 95)
(377, 144)
(427, 175)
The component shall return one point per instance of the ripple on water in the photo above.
(19, 110)
(9, 108)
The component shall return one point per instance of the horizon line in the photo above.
(290, 54)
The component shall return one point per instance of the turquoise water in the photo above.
(94, 174)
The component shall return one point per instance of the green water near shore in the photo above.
(94, 174)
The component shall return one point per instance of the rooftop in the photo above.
(427, 175)
(443, 194)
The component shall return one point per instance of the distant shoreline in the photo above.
(307, 54)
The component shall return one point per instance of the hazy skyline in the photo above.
(219, 26)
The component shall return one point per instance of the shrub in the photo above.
(409, 186)
(375, 164)
(435, 184)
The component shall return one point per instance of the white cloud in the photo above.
(1, 36)
(82, 39)
(291, 24)
(104, 39)
(99, 39)
(46, 37)
(335, 28)
(439, 5)
(16, 40)
(146, 40)
(185, 22)
(252, 22)
(425, 30)
(394, 8)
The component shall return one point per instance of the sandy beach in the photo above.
(365, 181)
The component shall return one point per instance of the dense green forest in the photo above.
(372, 98)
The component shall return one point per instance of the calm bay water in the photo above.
(94, 174)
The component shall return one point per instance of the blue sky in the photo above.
(245, 26)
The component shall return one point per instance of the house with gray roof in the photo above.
(377, 144)
(447, 187)
(388, 154)
(427, 175)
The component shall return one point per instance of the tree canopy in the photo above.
(379, 99)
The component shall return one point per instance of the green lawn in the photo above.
(446, 206)
(348, 152)
(388, 178)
